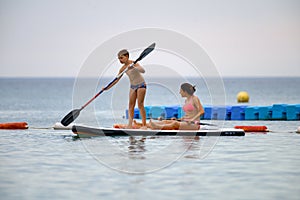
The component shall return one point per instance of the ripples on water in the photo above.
(52, 164)
(49, 164)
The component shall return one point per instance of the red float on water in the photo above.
(14, 125)
(253, 128)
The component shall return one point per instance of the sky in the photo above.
(243, 38)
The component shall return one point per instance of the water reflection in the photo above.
(192, 145)
(140, 155)
(136, 148)
(188, 145)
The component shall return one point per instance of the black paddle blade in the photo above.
(145, 52)
(69, 118)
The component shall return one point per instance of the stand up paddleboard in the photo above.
(87, 131)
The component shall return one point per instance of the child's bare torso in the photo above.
(135, 76)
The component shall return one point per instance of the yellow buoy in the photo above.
(242, 97)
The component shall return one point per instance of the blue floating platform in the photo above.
(279, 112)
(228, 112)
(264, 112)
(137, 114)
(293, 112)
(180, 112)
(251, 113)
(157, 112)
(207, 112)
(235, 112)
(221, 113)
(171, 111)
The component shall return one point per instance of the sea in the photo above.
(43, 163)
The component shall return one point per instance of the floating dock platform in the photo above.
(234, 112)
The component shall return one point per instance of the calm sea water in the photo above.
(42, 163)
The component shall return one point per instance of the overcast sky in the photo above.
(243, 38)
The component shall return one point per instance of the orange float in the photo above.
(14, 125)
(253, 128)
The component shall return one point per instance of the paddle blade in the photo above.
(70, 117)
(145, 52)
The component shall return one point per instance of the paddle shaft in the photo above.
(92, 99)
(108, 85)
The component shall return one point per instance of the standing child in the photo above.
(137, 86)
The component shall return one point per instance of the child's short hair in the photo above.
(123, 52)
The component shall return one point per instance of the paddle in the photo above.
(207, 124)
(71, 116)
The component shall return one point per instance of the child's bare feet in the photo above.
(144, 127)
